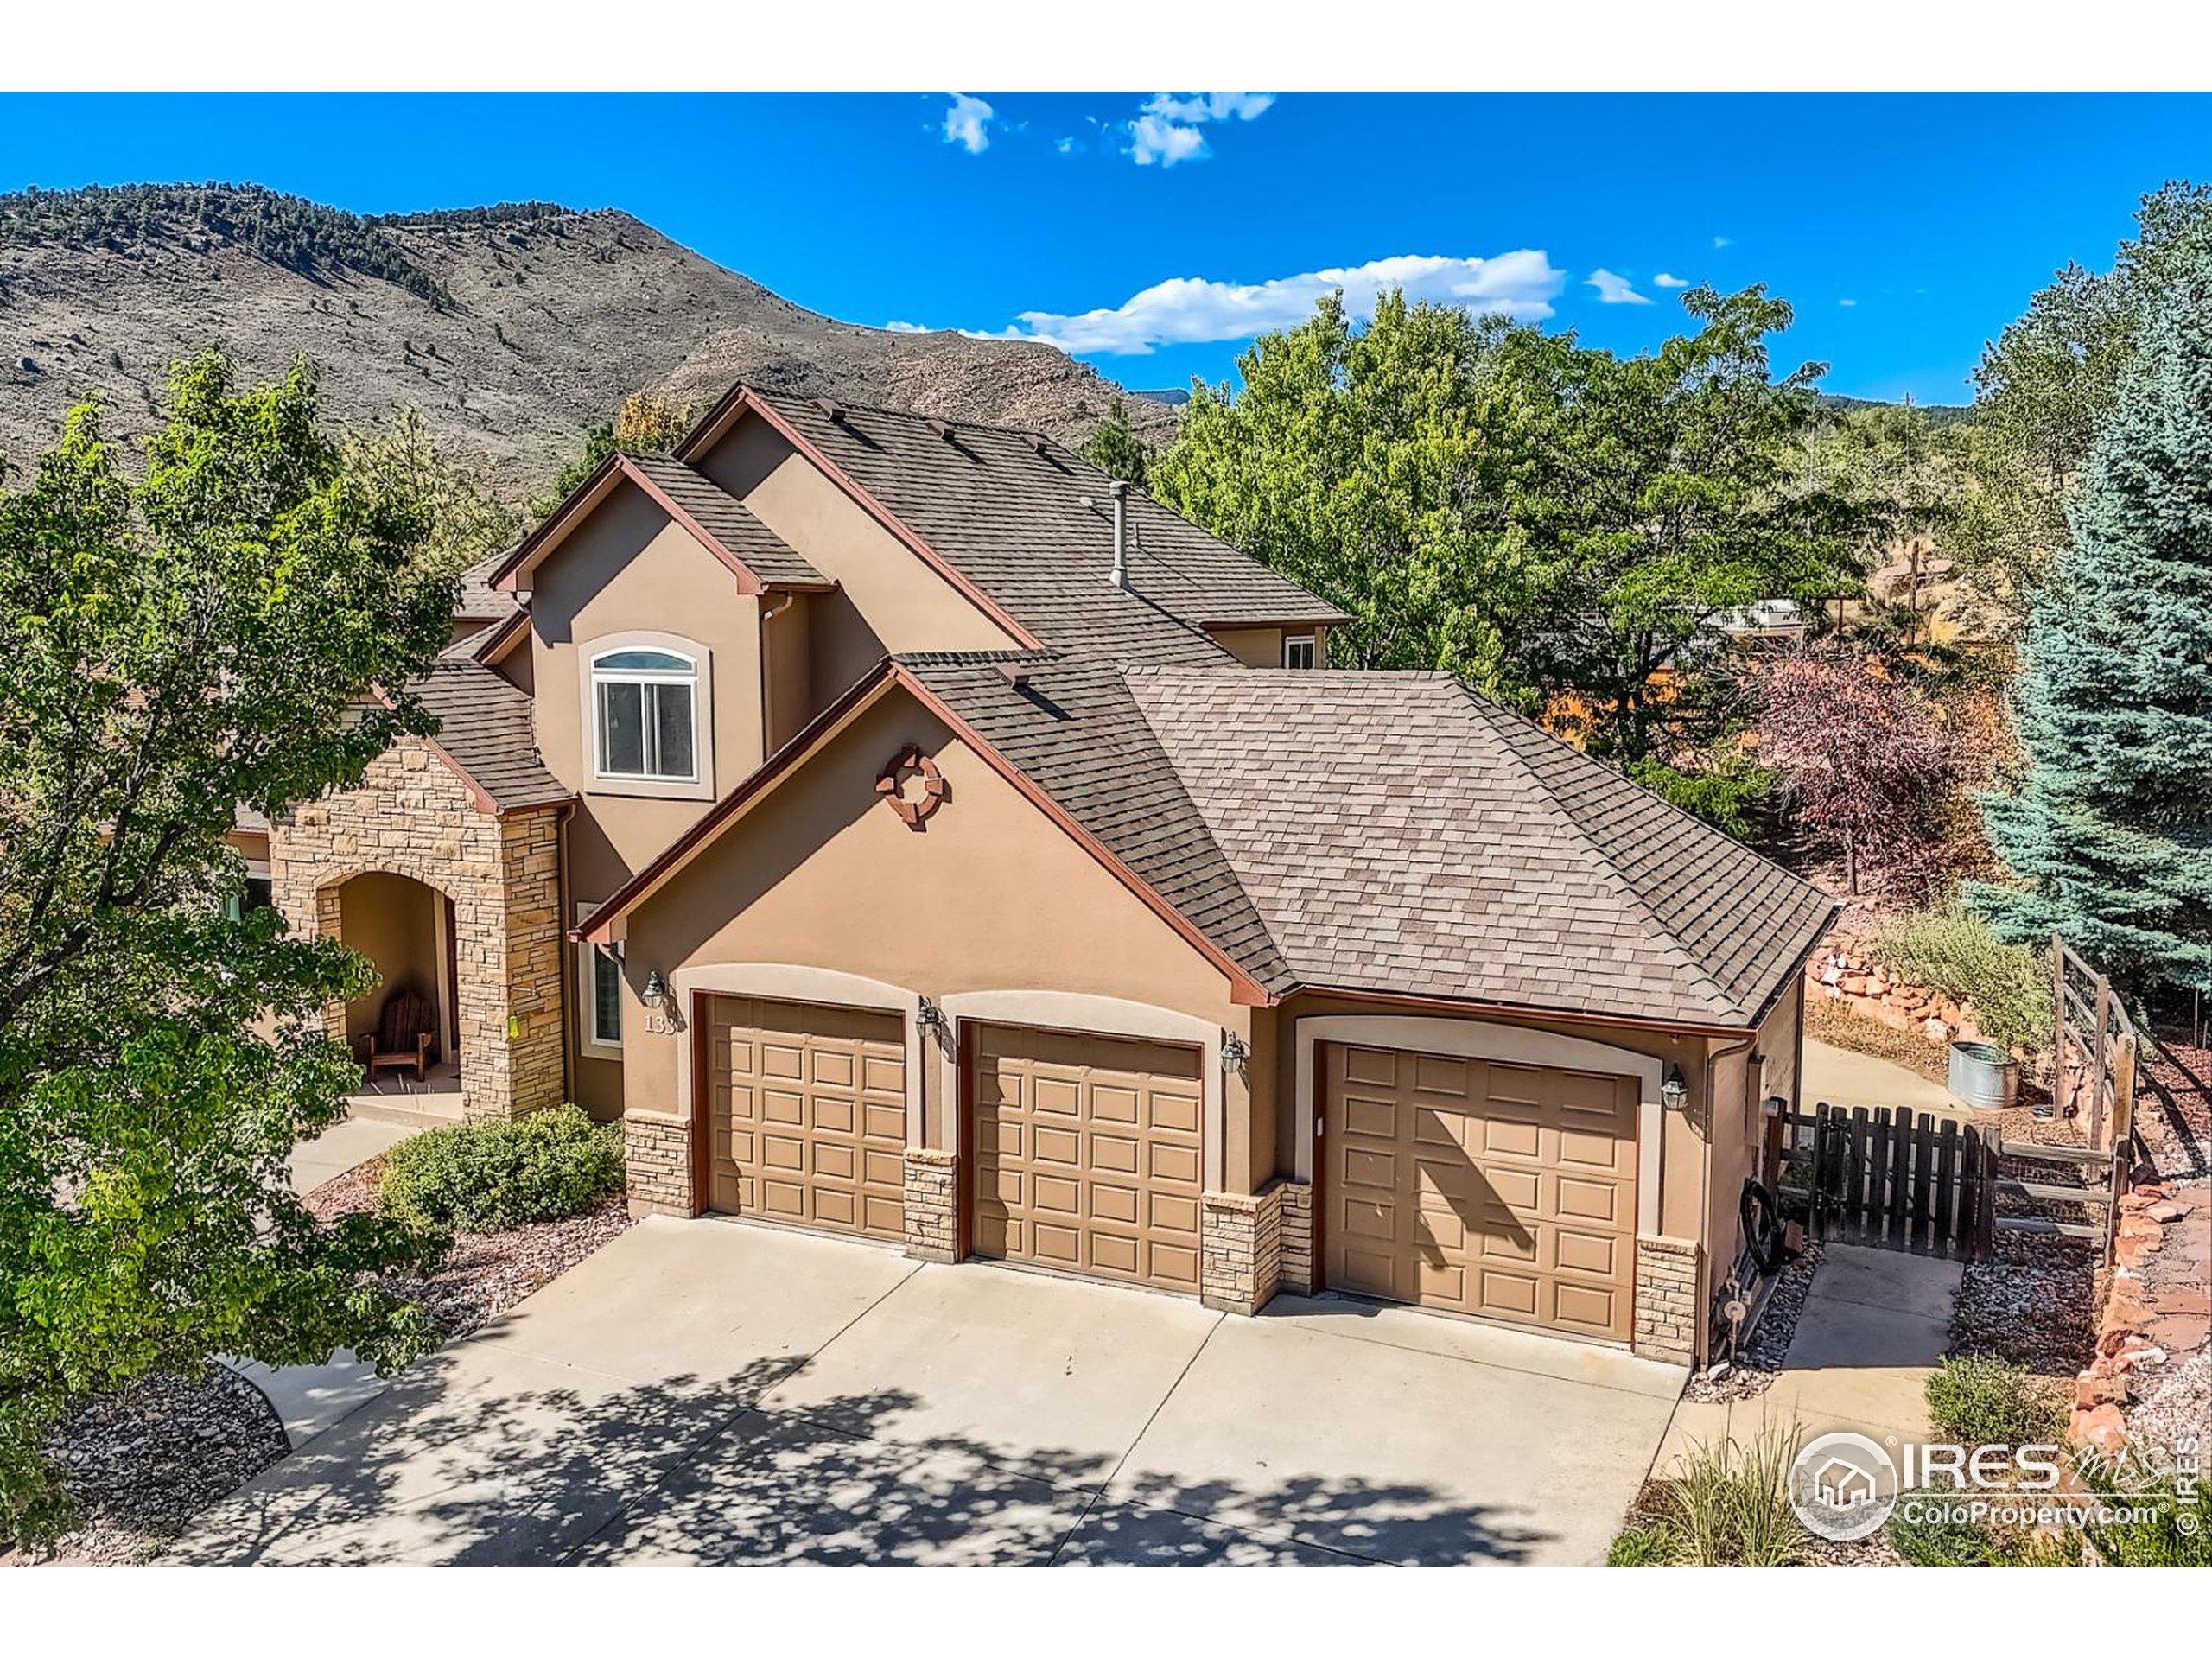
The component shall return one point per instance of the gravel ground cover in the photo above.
(1753, 1370)
(142, 1465)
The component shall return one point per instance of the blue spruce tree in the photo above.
(2110, 832)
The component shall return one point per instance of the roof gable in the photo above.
(1004, 514)
(725, 527)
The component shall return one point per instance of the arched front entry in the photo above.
(405, 927)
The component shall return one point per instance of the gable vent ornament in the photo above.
(891, 782)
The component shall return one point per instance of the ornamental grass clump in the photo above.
(487, 1177)
(1727, 1504)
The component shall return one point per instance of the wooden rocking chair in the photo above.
(404, 1038)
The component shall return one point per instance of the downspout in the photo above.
(1712, 1059)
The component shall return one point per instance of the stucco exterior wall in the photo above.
(392, 920)
(888, 601)
(988, 895)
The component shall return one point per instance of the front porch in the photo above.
(457, 905)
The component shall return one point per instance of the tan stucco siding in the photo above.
(629, 569)
(988, 895)
(1738, 1122)
(392, 921)
(887, 600)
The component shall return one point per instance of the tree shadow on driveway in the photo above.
(591, 1470)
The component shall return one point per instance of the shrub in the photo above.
(2177, 1531)
(484, 1177)
(1953, 950)
(1977, 1401)
(1726, 1505)
(1927, 1538)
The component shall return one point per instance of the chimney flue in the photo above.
(1121, 533)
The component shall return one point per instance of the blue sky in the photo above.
(1906, 229)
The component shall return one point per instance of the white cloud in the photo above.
(1195, 108)
(1847, 302)
(1192, 310)
(1166, 130)
(1068, 146)
(967, 122)
(1613, 290)
(895, 327)
(1153, 139)
(1668, 279)
(1721, 241)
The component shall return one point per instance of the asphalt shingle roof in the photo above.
(485, 723)
(1004, 508)
(478, 600)
(729, 521)
(1397, 833)
(1073, 728)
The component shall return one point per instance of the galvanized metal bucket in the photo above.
(1984, 1077)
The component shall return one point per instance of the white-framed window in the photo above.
(599, 996)
(645, 714)
(1298, 651)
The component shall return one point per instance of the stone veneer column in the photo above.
(1666, 1310)
(931, 1205)
(658, 1152)
(1240, 1250)
(413, 817)
(1295, 1202)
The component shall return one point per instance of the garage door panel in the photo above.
(808, 1119)
(1514, 1200)
(1104, 1132)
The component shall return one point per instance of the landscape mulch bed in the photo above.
(140, 1466)
(141, 1463)
(488, 1272)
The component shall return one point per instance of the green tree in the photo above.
(1671, 488)
(1115, 450)
(176, 638)
(2044, 388)
(403, 465)
(1372, 465)
(2109, 832)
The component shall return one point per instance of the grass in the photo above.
(1727, 1504)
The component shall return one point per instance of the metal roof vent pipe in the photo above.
(1121, 492)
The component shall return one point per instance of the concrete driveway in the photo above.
(717, 1393)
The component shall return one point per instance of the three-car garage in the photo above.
(1447, 1182)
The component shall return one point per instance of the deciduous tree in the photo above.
(176, 638)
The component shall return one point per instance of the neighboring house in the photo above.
(909, 835)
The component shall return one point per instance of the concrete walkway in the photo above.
(309, 1399)
(1874, 1325)
(1843, 1077)
(713, 1392)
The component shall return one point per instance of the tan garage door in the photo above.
(1505, 1190)
(809, 1120)
(1086, 1153)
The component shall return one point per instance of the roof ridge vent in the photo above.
(830, 407)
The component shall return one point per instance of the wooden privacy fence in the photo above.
(1873, 1176)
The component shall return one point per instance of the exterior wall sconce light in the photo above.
(655, 995)
(1675, 1090)
(1234, 1052)
(929, 1021)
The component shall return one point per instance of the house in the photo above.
(910, 834)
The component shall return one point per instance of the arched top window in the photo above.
(645, 703)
